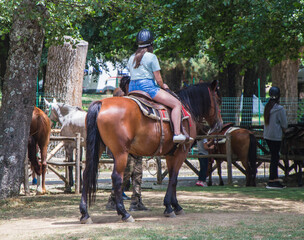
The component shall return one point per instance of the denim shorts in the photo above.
(147, 85)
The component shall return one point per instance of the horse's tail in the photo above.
(252, 156)
(93, 143)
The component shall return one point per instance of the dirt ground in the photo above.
(57, 216)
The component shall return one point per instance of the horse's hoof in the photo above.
(129, 219)
(40, 192)
(170, 215)
(180, 212)
(86, 221)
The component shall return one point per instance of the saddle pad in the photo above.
(154, 113)
(229, 130)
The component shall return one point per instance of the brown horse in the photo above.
(244, 147)
(40, 131)
(119, 124)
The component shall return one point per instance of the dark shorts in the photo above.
(147, 85)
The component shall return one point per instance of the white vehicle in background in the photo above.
(103, 80)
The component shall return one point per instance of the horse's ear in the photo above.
(214, 85)
(54, 100)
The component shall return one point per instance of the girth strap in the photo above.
(162, 136)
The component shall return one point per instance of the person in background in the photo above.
(133, 171)
(185, 83)
(145, 70)
(203, 146)
(275, 122)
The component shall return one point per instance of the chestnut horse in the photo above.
(244, 147)
(39, 138)
(119, 124)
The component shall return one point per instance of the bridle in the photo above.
(215, 108)
(49, 115)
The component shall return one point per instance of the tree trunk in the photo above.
(19, 86)
(231, 89)
(263, 71)
(250, 80)
(65, 71)
(285, 76)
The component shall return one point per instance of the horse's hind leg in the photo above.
(43, 167)
(120, 163)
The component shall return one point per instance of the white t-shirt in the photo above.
(149, 64)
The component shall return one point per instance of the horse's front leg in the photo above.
(117, 178)
(178, 210)
(169, 194)
(173, 164)
(219, 171)
(69, 155)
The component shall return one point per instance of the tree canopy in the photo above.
(241, 31)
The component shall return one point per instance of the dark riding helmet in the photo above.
(274, 92)
(144, 38)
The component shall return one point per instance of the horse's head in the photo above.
(214, 117)
(203, 101)
(52, 111)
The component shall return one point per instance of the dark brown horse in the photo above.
(40, 131)
(119, 124)
(244, 148)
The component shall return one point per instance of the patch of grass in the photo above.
(87, 99)
(211, 217)
(294, 194)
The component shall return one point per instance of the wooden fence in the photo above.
(161, 175)
(51, 161)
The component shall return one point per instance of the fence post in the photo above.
(229, 158)
(77, 164)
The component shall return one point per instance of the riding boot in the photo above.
(111, 205)
(137, 205)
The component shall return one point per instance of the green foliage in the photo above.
(241, 32)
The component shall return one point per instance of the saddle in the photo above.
(158, 112)
(227, 128)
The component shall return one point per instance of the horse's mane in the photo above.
(196, 98)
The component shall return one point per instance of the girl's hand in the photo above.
(165, 86)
